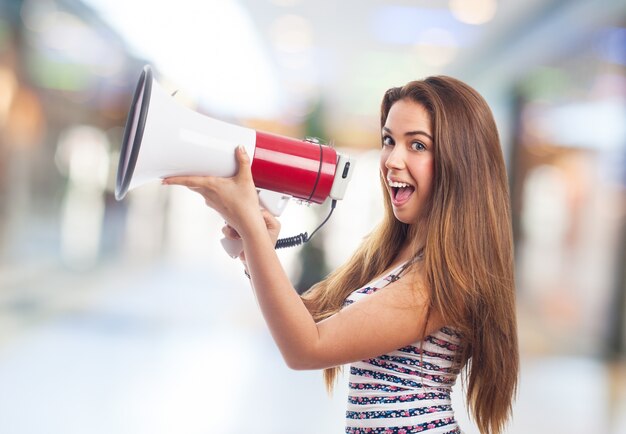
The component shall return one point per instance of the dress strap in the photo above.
(397, 272)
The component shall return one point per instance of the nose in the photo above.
(395, 159)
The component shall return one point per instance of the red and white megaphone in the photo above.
(163, 139)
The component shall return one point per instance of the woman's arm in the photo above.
(382, 322)
(273, 228)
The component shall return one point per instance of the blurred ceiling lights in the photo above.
(403, 25)
(286, 3)
(474, 11)
(208, 49)
(264, 59)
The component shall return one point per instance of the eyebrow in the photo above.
(411, 133)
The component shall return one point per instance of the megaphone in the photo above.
(163, 138)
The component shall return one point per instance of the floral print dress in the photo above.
(407, 390)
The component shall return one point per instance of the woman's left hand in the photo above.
(273, 229)
(234, 198)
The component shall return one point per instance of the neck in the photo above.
(416, 236)
(409, 252)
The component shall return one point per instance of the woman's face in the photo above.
(406, 161)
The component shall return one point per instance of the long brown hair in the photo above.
(468, 256)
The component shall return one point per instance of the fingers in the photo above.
(230, 233)
(243, 173)
(266, 214)
(270, 220)
(193, 182)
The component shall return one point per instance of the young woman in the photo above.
(428, 293)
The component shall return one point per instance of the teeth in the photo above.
(397, 184)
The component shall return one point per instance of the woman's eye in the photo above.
(387, 141)
(418, 146)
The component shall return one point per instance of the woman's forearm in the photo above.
(286, 315)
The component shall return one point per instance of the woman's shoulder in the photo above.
(395, 277)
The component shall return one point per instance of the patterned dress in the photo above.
(407, 390)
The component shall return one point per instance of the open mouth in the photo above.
(400, 192)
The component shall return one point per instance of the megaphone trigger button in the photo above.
(346, 169)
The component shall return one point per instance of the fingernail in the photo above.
(242, 149)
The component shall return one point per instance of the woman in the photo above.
(429, 292)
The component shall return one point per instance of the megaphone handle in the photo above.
(232, 247)
(271, 201)
(274, 202)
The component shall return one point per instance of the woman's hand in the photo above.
(273, 229)
(235, 198)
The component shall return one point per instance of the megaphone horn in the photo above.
(163, 139)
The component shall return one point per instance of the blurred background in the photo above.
(127, 317)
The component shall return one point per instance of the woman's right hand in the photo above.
(273, 228)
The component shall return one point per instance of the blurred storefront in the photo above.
(568, 171)
(66, 79)
(569, 197)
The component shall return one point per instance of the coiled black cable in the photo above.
(303, 237)
(292, 241)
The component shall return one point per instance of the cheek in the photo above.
(422, 171)
(423, 175)
(428, 176)
(428, 172)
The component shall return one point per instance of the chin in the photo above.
(410, 216)
(404, 218)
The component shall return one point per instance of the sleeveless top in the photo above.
(407, 390)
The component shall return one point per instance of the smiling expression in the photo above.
(406, 160)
